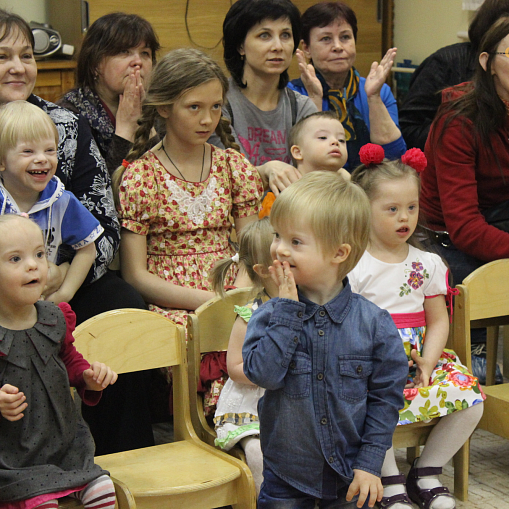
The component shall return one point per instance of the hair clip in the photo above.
(125, 163)
(235, 258)
(415, 158)
(371, 154)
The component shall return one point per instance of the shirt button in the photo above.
(331, 459)
(300, 314)
(321, 333)
(292, 365)
(296, 339)
(323, 420)
(359, 369)
(319, 376)
(322, 313)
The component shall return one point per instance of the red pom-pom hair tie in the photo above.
(125, 163)
(416, 159)
(371, 154)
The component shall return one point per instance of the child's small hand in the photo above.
(366, 485)
(423, 371)
(99, 376)
(12, 403)
(283, 278)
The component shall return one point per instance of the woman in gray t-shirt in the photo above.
(260, 38)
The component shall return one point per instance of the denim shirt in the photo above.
(334, 376)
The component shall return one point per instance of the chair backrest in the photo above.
(483, 301)
(134, 340)
(208, 330)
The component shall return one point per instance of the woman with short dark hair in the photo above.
(365, 106)
(114, 66)
(260, 38)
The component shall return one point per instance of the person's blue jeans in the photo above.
(278, 494)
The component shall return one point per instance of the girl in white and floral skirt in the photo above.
(236, 417)
(413, 286)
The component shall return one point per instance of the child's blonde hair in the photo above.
(294, 137)
(9, 218)
(336, 210)
(175, 74)
(254, 248)
(21, 121)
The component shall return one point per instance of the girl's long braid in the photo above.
(140, 146)
(224, 131)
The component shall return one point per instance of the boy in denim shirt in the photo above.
(332, 362)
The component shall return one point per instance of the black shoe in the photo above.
(479, 365)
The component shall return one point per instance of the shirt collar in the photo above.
(337, 308)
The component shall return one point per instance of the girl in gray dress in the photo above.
(47, 450)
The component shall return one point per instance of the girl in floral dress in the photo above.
(176, 199)
(413, 286)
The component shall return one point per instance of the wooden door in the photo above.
(198, 23)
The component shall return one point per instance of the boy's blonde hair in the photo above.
(336, 210)
(254, 248)
(21, 121)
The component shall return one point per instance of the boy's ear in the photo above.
(164, 111)
(296, 153)
(261, 270)
(342, 253)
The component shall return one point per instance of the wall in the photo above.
(423, 26)
(30, 10)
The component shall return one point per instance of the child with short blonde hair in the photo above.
(28, 162)
(329, 360)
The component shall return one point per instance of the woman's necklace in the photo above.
(180, 173)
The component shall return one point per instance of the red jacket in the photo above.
(462, 179)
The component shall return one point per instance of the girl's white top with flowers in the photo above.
(401, 288)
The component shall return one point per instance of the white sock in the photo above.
(254, 459)
(444, 441)
(391, 468)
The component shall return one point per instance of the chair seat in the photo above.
(495, 417)
(168, 469)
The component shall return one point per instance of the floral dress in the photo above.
(187, 224)
(237, 409)
(401, 288)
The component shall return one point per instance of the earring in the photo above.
(242, 57)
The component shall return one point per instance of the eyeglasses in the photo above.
(506, 53)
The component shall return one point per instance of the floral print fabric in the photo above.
(451, 386)
(187, 223)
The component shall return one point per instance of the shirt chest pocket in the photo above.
(353, 379)
(298, 377)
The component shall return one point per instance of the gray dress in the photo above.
(50, 449)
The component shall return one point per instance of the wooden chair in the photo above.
(483, 301)
(125, 500)
(187, 473)
(208, 330)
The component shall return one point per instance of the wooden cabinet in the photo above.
(198, 23)
(54, 78)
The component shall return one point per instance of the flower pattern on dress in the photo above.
(194, 206)
(415, 279)
(181, 249)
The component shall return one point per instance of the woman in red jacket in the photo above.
(465, 189)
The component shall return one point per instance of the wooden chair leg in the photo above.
(412, 453)
(491, 353)
(461, 462)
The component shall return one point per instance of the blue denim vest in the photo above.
(334, 376)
